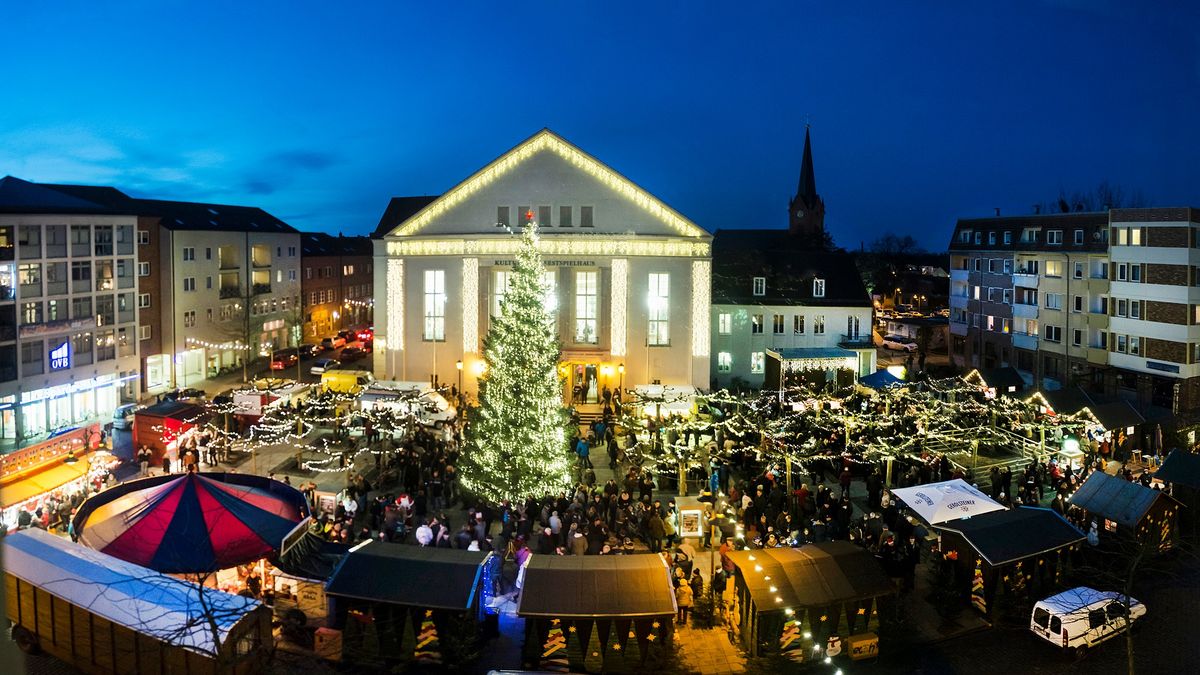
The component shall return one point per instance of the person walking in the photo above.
(683, 599)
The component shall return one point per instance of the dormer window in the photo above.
(964, 236)
(760, 286)
(978, 238)
(818, 288)
(1008, 237)
(991, 238)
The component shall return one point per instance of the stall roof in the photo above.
(802, 353)
(171, 408)
(1181, 468)
(1004, 380)
(1003, 537)
(596, 586)
(1115, 498)
(1117, 415)
(138, 598)
(418, 576)
(813, 575)
(881, 379)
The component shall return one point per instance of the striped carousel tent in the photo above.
(193, 522)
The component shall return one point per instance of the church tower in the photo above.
(806, 211)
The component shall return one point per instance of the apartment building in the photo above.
(337, 288)
(68, 320)
(775, 296)
(1106, 301)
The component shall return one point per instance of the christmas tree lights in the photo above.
(516, 445)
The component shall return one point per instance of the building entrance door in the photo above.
(585, 384)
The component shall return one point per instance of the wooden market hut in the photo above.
(1126, 509)
(790, 600)
(157, 425)
(1008, 553)
(104, 615)
(590, 613)
(392, 602)
(1181, 473)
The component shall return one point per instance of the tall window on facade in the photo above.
(501, 279)
(550, 285)
(660, 309)
(586, 306)
(818, 288)
(725, 322)
(502, 217)
(798, 324)
(435, 305)
(819, 324)
(760, 286)
(778, 324)
(852, 327)
(757, 361)
(725, 361)
(544, 216)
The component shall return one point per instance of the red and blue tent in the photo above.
(192, 522)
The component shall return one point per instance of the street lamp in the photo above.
(621, 372)
(459, 365)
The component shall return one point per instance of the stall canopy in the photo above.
(947, 500)
(193, 522)
(814, 575)
(881, 379)
(419, 576)
(140, 599)
(596, 586)
(1180, 468)
(1116, 499)
(1006, 536)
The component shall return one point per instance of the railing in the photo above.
(260, 289)
(856, 341)
(230, 292)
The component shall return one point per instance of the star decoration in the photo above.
(572, 629)
(650, 637)
(861, 611)
(554, 622)
(617, 648)
(824, 617)
(654, 625)
(428, 613)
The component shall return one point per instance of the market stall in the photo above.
(105, 615)
(393, 603)
(591, 613)
(193, 522)
(1180, 473)
(806, 602)
(947, 500)
(60, 469)
(1120, 509)
(1009, 553)
(159, 426)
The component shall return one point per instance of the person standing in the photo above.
(683, 599)
(656, 529)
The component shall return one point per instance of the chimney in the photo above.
(997, 211)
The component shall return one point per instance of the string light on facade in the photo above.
(701, 306)
(470, 300)
(547, 140)
(231, 345)
(395, 303)
(620, 286)
(593, 245)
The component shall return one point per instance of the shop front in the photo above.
(586, 375)
(53, 408)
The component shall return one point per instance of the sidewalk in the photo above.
(709, 650)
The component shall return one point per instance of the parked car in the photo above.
(1083, 617)
(333, 342)
(321, 366)
(366, 335)
(899, 343)
(185, 394)
(352, 352)
(284, 358)
(123, 416)
(309, 350)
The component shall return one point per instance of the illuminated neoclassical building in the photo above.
(629, 276)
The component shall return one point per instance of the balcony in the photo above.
(260, 289)
(230, 292)
(1097, 320)
(1025, 341)
(1097, 355)
(1024, 310)
(856, 342)
(1025, 277)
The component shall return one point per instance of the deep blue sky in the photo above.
(320, 113)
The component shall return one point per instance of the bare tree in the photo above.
(1104, 196)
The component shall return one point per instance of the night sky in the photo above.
(320, 113)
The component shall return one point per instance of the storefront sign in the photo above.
(60, 356)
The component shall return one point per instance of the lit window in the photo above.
(725, 323)
(586, 306)
(757, 361)
(756, 324)
(724, 362)
(760, 286)
(658, 297)
(819, 324)
(798, 324)
(778, 324)
(818, 288)
(435, 305)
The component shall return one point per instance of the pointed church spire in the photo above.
(807, 189)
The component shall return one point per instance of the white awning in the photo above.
(948, 500)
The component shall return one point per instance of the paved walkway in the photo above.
(709, 650)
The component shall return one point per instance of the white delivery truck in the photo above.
(1083, 617)
(402, 398)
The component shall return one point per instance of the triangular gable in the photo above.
(546, 140)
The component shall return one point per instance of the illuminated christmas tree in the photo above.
(516, 443)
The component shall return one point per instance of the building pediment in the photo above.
(548, 176)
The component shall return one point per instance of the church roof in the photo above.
(789, 265)
(806, 191)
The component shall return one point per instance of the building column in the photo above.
(701, 321)
(470, 305)
(393, 346)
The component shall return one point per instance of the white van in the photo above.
(1083, 617)
(434, 410)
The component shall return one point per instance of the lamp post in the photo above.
(459, 365)
(621, 373)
